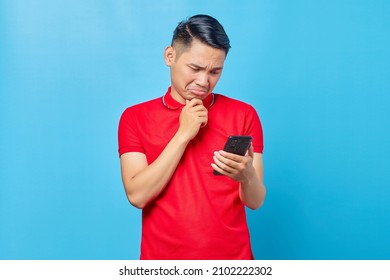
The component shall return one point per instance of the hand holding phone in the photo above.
(238, 145)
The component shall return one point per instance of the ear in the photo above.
(169, 55)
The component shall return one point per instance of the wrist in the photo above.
(181, 138)
(248, 178)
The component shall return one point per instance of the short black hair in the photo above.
(204, 28)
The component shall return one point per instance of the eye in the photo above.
(216, 72)
(195, 69)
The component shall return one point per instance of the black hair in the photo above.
(204, 28)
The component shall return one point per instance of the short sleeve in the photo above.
(128, 135)
(254, 128)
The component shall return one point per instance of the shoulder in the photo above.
(225, 101)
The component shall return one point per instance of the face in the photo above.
(195, 71)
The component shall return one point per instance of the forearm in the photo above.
(144, 182)
(252, 192)
(149, 182)
(247, 170)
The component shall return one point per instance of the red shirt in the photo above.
(198, 215)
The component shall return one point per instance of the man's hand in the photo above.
(193, 116)
(239, 168)
(248, 170)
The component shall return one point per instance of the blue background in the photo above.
(316, 71)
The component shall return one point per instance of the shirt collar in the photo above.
(170, 103)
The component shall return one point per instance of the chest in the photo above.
(159, 127)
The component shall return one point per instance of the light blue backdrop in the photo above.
(316, 71)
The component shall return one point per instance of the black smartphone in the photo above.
(237, 145)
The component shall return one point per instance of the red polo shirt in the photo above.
(198, 215)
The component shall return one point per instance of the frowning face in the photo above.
(195, 71)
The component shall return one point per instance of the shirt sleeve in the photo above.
(254, 128)
(128, 136)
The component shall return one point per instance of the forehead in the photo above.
(201, 53)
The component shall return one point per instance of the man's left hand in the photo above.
(239, 168)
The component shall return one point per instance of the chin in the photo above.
(199, 96)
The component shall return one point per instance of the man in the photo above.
(170, 146)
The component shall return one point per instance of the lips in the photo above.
(198, 92)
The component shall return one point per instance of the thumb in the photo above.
(250, 151)
(187, 102)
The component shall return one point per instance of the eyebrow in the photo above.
(204, 68)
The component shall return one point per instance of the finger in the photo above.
(222, 166)
(216, 168)
(195, 101)
(190, 108)
(250, 151)
(231, 156)
(201, 114)
(199, 108)
(225, 163)
(204, 122)
(220, 170)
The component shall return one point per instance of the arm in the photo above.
(144, 182)
(252, 191)
(248, 170)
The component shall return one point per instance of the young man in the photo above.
(170, 146)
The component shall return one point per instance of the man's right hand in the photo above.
(142, 181)
(193, 116)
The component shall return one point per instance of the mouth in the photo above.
(198, 92)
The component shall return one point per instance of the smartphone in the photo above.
(237, 145)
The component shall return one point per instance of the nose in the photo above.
(202, 79)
